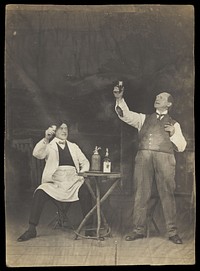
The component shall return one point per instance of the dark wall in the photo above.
(62, 63)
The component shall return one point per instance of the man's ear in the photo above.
(169, 104)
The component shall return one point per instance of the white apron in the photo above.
(64, 184)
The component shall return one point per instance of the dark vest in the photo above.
(65, 158)
(152, 136)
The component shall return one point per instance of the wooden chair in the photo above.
(36, 165)
(61, 219)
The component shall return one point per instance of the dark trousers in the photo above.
(41, 197)
(150, 165)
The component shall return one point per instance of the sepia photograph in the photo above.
(99, 145)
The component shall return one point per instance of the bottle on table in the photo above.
(107, 162)
(96, 160)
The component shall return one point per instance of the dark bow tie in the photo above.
(160, 115)
(61, 142)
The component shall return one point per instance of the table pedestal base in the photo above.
(101, 237)
(97, 207)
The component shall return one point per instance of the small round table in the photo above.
(97, 177)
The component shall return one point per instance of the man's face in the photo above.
(62, 132)
(161, 101)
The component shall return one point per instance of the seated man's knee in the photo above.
(83, 191)
(39, 193)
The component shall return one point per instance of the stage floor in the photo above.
(57, 247)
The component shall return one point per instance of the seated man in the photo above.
(61, 180)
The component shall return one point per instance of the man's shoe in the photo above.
(134, 236)
(176, 239)
(27, 235)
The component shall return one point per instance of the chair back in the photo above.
(36, 165)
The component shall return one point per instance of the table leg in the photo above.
(94, 208)
(98, 208)
(94, 197)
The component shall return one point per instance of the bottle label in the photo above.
(107, 167)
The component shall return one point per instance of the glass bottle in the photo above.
(107, 162)
(96, 160)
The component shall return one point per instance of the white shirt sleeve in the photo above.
(132, 118)
(178, 138)
(41, 149)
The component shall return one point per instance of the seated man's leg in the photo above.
(39, 200)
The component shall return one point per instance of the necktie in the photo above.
(119, 111)
(160, 116)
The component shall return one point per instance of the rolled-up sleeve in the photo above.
(178, 139)
(132, 118)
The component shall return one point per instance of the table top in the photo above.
(102, 174)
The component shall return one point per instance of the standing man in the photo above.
(159, 136)
(61, 180)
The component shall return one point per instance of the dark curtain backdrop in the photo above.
(63, 61)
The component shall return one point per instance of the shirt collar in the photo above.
(57, 140)
(163, 113)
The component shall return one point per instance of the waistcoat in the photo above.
(65, 158)
(152, 135)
